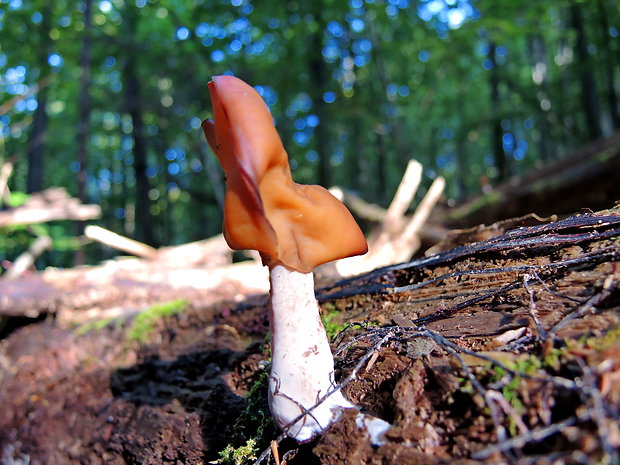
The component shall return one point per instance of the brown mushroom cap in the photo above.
(297, 225)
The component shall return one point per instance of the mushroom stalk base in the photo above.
(302, 368)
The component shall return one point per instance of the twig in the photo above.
(27, 258)
(381, 288)
(593, 399)
(404, 195)
(533, 310)
(499, 398)
(589, 306)
(274, 452)
(532, 436)
(5, 173)
(423, 210)
(116, 241)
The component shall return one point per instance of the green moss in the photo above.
(253, 429)
(97, 325)
(238, 456)
(610, 338)
(145, 322)
(484, 201)
(331, 327)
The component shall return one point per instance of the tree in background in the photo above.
(476, 91)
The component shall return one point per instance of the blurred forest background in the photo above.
(106, 97)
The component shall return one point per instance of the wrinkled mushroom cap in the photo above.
(296, 225)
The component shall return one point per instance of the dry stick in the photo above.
(424, 208)
(590, 391)
(377, 288)
(274, 452)
(27, 259)
(49, 205)
(533, 310)
(532, 436)
(589, 305)
(5, 173)
(119, 242)
(404, 195)
(552, 292)
(501, 400)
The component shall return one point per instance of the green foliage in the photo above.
(607, 340)
(332, 328)
(17, 198)
(96, 325)
(254, 427)
(403, 81)
(145, 322)
(238, 456)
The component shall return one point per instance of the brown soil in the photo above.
(501, 351)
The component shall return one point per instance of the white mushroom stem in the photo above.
(302, 367)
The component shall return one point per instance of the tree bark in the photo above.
(499, 156)
(83, 121)
(318, 78)
(461, 146)
(538, 61)
(589, 94)
(38, 136)
(608, 65)
(133, 103)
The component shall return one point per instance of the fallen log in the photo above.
(397, 237)
(586, 180)
(195, 269)
(111, 239)
(49, 205)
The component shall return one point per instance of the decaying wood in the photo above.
(586, 180)
(191, 270)
(116, 241)
(394, 216)
(554, 251)
(397, 237)
(359, 207)
(521, 292)
(206, 253)
(27, 258)
(49, 205)
(5, 173)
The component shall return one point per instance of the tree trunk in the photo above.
(381, 163)
(586, 76)
(538, 60)
(404, 149)
(461, 146)
(38, 135)
(608, 65)
(318, 78)
(83, 121)
(496, 125)
(133, 103)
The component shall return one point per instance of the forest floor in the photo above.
(505, 349)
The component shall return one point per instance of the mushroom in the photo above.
(295, 228)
